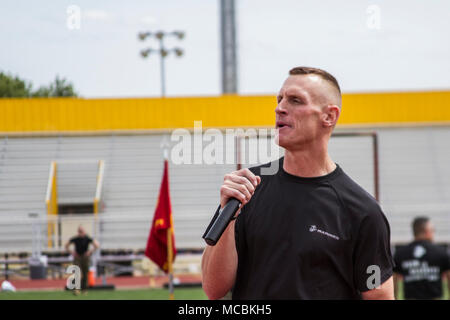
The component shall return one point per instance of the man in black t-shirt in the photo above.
(421, 264)
(81, 254)
(306, 230)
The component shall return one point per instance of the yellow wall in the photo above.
(72, 114)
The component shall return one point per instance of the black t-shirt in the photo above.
(422, 264)
(81, 244)
(310, 238)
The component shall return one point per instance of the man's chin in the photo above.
(290, 145)
(281, 142)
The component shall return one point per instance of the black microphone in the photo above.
(220, 221)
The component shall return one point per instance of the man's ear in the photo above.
(330, 115)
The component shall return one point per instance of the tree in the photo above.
(58, 88)
(13, 87)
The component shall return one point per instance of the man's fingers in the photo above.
(242, 188)
(240, 180)
(230, 192)
(249, 175)
(240, 184)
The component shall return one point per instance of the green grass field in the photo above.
(138, 294)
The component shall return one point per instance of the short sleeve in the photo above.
(372, 253)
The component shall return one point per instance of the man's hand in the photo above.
(239, 184)
(219, 263)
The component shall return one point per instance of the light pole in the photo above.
(162, 51)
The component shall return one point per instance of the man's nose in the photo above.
(280, 109)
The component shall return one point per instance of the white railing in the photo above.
(127, 231)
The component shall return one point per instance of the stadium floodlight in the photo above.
(159, 35)
(178, 34)
(163, 51)
(143, 35)
(178, 52)
(146, 52)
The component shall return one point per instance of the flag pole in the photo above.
(164, 146)
(169, 262)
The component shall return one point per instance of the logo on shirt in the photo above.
(419, 251)
(313, 228)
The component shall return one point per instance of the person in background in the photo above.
(82, 254)
(421, 264)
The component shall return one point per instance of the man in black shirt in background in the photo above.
(82, 254)
(307, 231)
(421, 265)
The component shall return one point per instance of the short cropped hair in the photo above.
(322, 73)
(419, 225)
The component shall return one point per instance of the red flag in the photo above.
(157, 246)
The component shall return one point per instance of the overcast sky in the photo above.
(407, 48)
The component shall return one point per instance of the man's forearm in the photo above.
(384, 292)
(219, 265)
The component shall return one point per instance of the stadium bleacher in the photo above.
(133, 171)
(126, 134)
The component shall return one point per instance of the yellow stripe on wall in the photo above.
(74, 114)
(412, 107)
